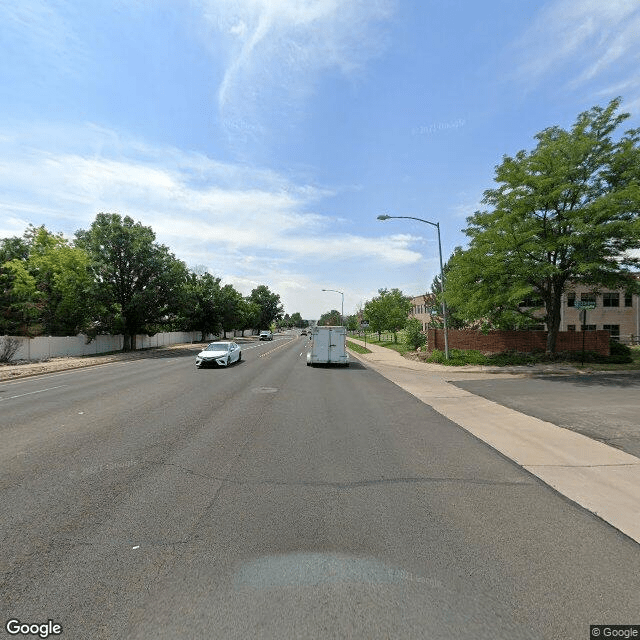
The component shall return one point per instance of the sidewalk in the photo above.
(602, 479)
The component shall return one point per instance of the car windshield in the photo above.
(218, 347)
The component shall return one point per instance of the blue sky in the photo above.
(261, 138)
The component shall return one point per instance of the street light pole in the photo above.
(342, 294)
(444, 305)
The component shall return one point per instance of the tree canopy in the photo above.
(330, 319)
(269, 303)
(43, 284)
(388, 311)
(135, 278)
(202, 303)
(115, 278)
(565, 212)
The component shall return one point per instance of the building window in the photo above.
(588, 297)
(587, 327)
(628, 300)
(614, 331)
(530, 301)
(611, 299)
(571, 327)
(571, 299)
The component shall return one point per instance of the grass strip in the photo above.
(358, 348)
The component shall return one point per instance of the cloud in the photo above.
(204, 210)
(276, 49)
(587, 39)
(39, 30)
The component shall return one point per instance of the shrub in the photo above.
(458, 357)
(619, 350)
(413, 336)
(8, 348)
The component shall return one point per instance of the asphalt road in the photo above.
(148, 499)
(603, 407)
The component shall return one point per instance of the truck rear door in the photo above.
(321, 348)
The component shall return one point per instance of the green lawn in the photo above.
(385, 341)
(358, 348)
(459, 358)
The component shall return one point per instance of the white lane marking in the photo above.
(266, 353)
(261, 343)
(67, 372)
(29, 393)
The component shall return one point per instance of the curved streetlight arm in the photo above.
(444, 306)
(342, 294)
(433, 224)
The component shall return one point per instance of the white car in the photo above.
(219, 354)
(266, 335)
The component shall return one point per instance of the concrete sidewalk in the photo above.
(604, 480)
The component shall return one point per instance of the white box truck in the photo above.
(328, 346)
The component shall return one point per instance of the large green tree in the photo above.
(63, 281)
(19, 300)
(231, 308)
(43, 285)
(330, 319)
(269, 303)
(202, 303)
(388, 311)
(568, 211)
(296, 320)
(137, 282)
(249, 314)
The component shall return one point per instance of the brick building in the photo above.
(420, 306)
(616, 311)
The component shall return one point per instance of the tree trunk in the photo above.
(553, 320)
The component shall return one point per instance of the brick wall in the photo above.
(523, 341)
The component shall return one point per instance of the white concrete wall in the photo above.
(45, 347)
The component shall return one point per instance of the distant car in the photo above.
(219, 354)
(266, 335)
(303, 332)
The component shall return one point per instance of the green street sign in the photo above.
(579, 304)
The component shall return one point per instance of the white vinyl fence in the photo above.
(45, 347)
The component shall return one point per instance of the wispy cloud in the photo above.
(39, 30)
(201, 208)
(586, 39)
(276, 48)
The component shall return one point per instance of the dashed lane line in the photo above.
(266, 353)
(29, 393)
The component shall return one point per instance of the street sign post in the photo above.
(584, 305)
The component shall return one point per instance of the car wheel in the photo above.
(240, 356)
